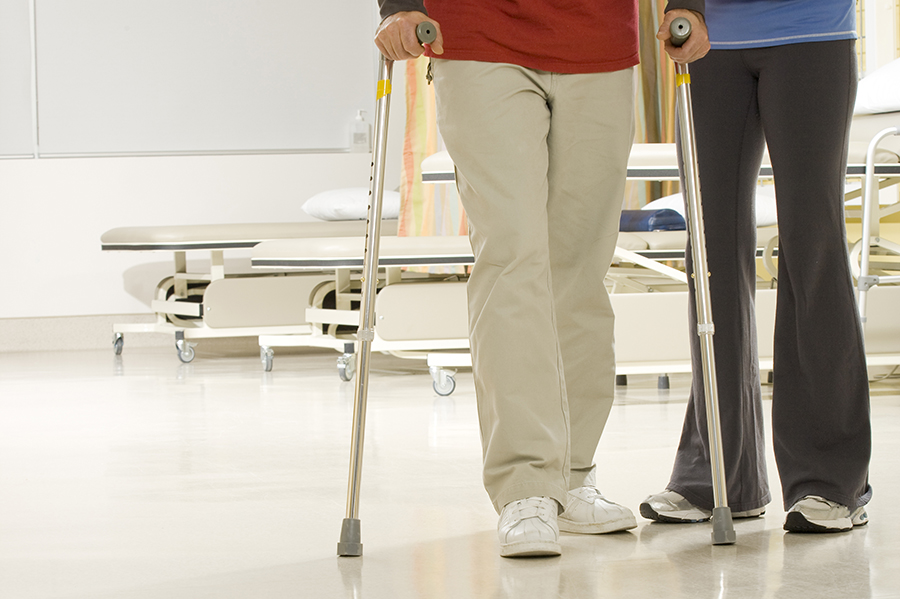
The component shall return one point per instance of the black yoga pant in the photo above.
(798, 99)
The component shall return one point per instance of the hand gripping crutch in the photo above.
(350, 543)
(723, 527)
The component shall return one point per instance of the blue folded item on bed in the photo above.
(664, 219)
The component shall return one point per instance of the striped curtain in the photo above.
(654, 102)
(424, 209)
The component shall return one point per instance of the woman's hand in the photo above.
(695, 47)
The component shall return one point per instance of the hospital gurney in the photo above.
(425, 316)
(417, 313)
(659, 162)
(216, 303)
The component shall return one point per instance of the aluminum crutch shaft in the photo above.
(723, 527)
(350, 542)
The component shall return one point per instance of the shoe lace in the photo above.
(532, 507)
(591, 493)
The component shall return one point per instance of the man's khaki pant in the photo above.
(541, 161)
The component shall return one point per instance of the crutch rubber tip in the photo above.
(723, 527)
(350, 545)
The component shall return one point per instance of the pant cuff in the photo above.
(535, 489)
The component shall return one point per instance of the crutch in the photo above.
(350, 543)
(723, 527)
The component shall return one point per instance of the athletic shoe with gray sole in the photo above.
(817, 514)
(671, 507)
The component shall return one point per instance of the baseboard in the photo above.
(62, 333)
(67, 333)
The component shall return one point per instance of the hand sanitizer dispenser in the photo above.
(359, 134)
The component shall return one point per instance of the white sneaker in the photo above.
(817, 514)
(672, 507)
(528, 527)
(589, 512)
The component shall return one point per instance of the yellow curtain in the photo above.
(424, 209)
(654, 102)
(432, 209)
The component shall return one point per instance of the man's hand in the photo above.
(697, 45)
(396, 36)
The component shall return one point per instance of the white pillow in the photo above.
(879, 91)
(766, 214)
(350, 204)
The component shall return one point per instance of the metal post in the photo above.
(350, 544)
(723, 527)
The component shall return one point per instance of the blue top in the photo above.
(735, 24)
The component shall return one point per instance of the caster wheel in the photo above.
(446, 386)
(185, 350)
(118, 343)
(186, 355)
(267, 356)
(346, 367)
(444, 381)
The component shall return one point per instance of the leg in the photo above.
(495, 121)
(729, 149)
(820, 409)
(591, 132)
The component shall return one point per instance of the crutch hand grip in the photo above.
(680, 29)
(425, 32)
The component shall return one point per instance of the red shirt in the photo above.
(560, 36)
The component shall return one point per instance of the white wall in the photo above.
(53, 212)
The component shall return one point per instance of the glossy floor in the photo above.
(141, 477)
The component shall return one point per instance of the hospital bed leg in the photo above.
(185, 349)
(444, 380)
(723, 527)
(181, 287)
(346, 363)
(350, 543)
(871, 226)
(267, 357)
